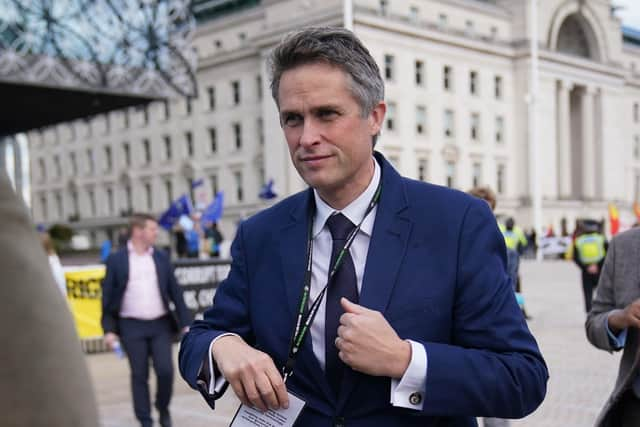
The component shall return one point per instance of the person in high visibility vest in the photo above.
(516, 242)
(589, 251)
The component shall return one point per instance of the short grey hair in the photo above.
(334, 46)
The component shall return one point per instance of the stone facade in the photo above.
(456, 75)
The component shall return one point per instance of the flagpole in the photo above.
(534, 146)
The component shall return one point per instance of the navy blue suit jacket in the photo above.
(115, 283)
(435, 269)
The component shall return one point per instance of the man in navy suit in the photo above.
(138, 286)
(418, 325)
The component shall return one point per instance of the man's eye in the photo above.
(292, 120)
(327, 114)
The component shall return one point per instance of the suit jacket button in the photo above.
(415, 398)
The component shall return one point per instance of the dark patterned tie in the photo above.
(343, 284)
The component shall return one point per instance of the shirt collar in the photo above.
(130, 248)
(354, 210)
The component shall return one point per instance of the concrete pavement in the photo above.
(581, 376)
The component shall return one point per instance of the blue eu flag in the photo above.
(213, 212)
(179, 207)
(267, 192)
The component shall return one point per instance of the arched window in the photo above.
(572, 38)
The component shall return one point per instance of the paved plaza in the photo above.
(581, 376)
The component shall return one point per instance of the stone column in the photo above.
(564, 139)
(588, 143)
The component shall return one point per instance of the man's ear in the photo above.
(376, 118)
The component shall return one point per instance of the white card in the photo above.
(250, 417)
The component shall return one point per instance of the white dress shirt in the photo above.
(142, 299)
(414, 378)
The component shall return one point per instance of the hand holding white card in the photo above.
(248, 416)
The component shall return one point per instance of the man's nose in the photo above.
(310, 133)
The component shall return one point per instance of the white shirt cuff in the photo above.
(215, 385)
(408, 392)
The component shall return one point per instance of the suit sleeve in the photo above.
(492, 365)
(229, 313)
(603, 304)
(109, 317)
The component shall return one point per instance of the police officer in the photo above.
(589, 250)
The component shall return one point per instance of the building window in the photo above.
(148, 196)
(499, 129)
(494, 32)
(43, 169)
(110, 204)
(235, 90)
(57, 166)
(421, 119)
(239, 190)
(90, 162)
(636, 112)
(468, 28)
(473, 82)
(449, 123)
(167, 109)
(447, 78)
(168, 190)
(146, 147)
(125, 119)
(145, 115)
(92, 202)
(388, 67)
(476, 173)
(167, 147)
(213, 140)
(75, 204)
(442, 21)
(59, 206)
(384, 7)
(74, 163)
(414, 14)
(211, 92)
(475, 126)
(422, 169)
(500, 175)
(108, 161)
(107, 123)
(419, 65)
(237, 134)
(260, 130)
(44, 207)
(128, 198)
(391, 116)
(450, 178)
(214, 183)
(636, 147)
(259, 87)
(127, 154)
(188, 105)
(497, 87)
(188, 136)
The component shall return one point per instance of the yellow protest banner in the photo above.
(84, 296)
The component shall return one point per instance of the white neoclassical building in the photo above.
(457, 77)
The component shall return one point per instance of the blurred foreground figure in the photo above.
(613, 324)
(44, 381)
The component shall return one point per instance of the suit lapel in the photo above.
(386, 251)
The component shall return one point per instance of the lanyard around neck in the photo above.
(304, 322)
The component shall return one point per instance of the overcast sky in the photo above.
(630, 12)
